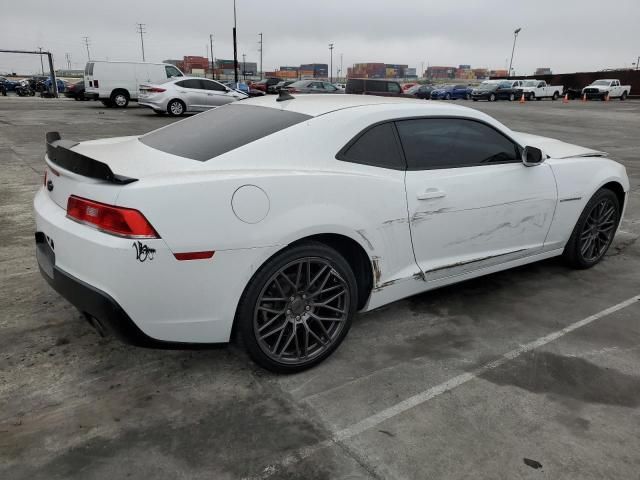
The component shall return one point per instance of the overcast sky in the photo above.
(566, 35)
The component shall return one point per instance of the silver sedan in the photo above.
(313, 86)
(183, 95)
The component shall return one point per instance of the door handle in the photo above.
(431, 193)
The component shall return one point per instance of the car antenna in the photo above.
(284, 95)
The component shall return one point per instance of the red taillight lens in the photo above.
(194, 255)
(95, 83)
(123, 222)
(44, 182)
(157, 89)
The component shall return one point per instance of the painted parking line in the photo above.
(425, 396)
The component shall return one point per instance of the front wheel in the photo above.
(512, 97)
(467, 96)
(593, 234)
(447, 97)
(298, 308)
(492, 97)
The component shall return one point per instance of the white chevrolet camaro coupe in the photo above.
(279, 218)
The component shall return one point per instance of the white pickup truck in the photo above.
(608, 87)
(538, 89)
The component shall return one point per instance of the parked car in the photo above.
(265, 83)
(312, 86)
(75, 91)
(607, 88)
(538, 89)
(494, 90)
(280, 219)
(368, 86)
(244, 88)
(8, 85)
(280, 85)
(178, 96)
(451, 92)
(420, 91)
(117, 83)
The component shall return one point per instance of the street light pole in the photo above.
(515, 36)
(260, 55)
(141, 31)
(213, 64)
(41, 64)
(244, 66)
(235, 45)
(331, 70)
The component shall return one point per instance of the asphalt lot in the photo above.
(538, 363)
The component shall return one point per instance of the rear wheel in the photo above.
(467, 96)
(120, 99)
(176, 107)
(492, 97)
(556, 95)
(623, 97)
(593, 234)
(298, 308)
(512, 97)
(447, 97)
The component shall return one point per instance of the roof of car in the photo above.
(320, 104)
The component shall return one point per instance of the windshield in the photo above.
(413, 89)
(212, 133)
(601, 82)
(486, 86)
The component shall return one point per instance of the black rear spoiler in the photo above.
(59, 152)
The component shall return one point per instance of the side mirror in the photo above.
(532, 156)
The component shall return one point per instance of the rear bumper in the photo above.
(88, 299)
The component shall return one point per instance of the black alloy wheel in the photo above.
(594, 231)
(298, 308)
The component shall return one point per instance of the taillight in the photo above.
(157, 89)
(120, 221)
(95, 83)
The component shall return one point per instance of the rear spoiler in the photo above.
(59, 152)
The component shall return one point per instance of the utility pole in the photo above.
(235, 45)
(67, 56)
(331, 68)
(341, 71)
(213, 64)
(41, 64)
(141, 30)
(260, 42)
(86, 44)
(637, 62)
(515, 36)
(244, 66)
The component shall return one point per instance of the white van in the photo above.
(115, 83)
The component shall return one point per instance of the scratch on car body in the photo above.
(527, 219)
(395, 220)
(364, 237)
(466, 262)
(419, 216)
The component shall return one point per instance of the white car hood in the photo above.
(556, 148)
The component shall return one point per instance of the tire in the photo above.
(623, 97)
(107, 103)
(492, 97)
(283, 278)
(555, 96)
(475, 99)
(447, 97)
(467, 96)
(176, 108)
(594, 231)
(119, 99)
(512, 97)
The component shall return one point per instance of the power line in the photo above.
(87, 42)
(141, 30)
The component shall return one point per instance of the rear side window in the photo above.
(377, 147)
(209, 134)
(88, 69)
(355, 86)
(190, 83)
(376, 86)
(394, 87)
(449, 143)
(209, 85)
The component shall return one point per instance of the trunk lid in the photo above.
(99, 169)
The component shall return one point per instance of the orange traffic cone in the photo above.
(566, 98)
(522, 98)
(584, 97)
